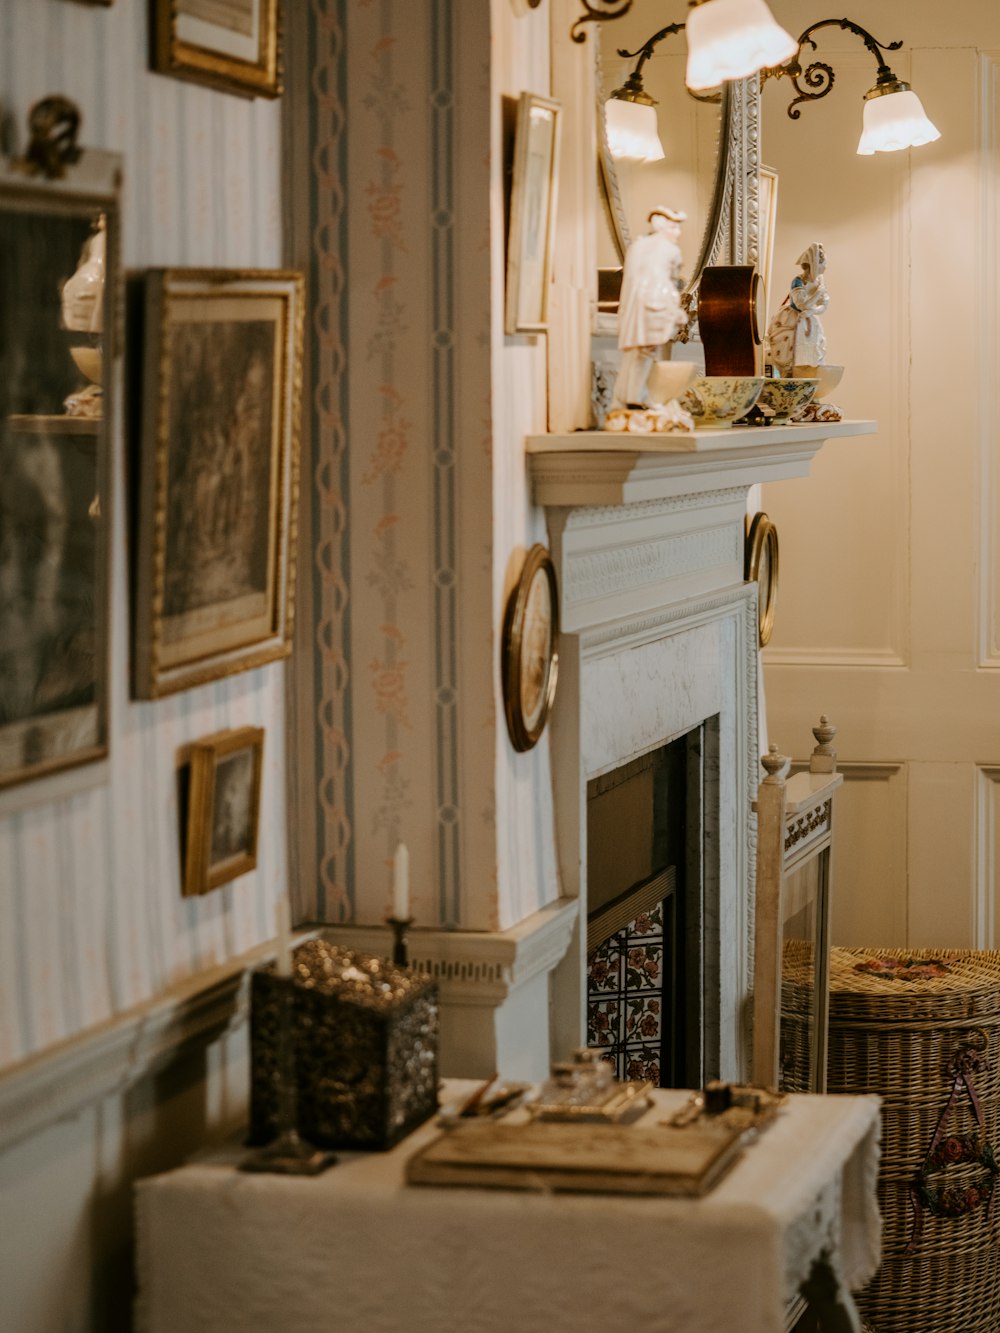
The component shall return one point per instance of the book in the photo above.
(595, 1158)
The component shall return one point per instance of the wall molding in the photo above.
(988, 342)
(860, 770)
(984, 899)
(58, 1083)
(886, 659)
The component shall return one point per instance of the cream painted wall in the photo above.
(888, 612)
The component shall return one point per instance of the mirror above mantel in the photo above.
(709, 144)
(688, 128)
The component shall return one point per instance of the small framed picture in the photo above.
(233, 45)
(768, 219)
(218, 474)
(532, 213)
(223, 809)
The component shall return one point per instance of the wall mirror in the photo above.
(709, 163)
(58, 246)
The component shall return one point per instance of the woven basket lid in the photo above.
(908, 985)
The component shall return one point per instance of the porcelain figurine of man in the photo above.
(650, 311)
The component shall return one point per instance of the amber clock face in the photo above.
(530, 663)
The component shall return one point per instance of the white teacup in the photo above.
(669, 379)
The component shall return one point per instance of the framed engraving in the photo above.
(233, 45)
(530, 656)
(218, 475)
(532, 214)
(59, 221)
(223, 809)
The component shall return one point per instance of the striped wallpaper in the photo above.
(421, 511)
(91, 917)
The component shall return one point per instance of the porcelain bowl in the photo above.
(786, 398)
(717, 400)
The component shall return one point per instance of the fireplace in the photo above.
(646, 994)
(658, 692)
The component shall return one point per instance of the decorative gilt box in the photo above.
(364, 1038)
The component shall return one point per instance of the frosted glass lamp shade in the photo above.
(894, 120)
(732, 39)
(632, 130)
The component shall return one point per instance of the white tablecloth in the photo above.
(357, 1251)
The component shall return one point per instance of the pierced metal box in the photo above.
(364, 1036)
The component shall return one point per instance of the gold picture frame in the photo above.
(59, 235)
(218, 475)
(232, 45)
(760, 566)
(530, 649)
(223, 813)
(532, 214)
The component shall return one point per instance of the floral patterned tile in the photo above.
(603, 1022)
(646, 924)
(604, 967)
(643, 1017)
(642, 1062)
(644, 967)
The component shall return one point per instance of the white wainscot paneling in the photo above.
(989, 350)
(868, 908)
(942, 887)
(987, 906)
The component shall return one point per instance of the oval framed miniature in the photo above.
(530, 649)
(760, 566)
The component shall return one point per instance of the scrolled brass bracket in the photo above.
(601, 12)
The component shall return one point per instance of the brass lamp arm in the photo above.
(818, 75)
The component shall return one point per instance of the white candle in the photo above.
(283, 913)
(401, 883)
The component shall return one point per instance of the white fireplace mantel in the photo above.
(599, 467)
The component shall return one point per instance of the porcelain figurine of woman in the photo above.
(650, 310)
(795, 337)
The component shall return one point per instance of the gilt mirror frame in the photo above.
(731, 233)
(56, 463)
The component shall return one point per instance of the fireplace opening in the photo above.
(645, 914)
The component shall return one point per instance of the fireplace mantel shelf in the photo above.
(613, 468)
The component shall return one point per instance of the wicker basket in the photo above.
(899, 1032)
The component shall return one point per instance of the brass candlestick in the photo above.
(287, 1154)
(400, 951)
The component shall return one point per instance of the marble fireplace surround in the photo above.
(658, 636)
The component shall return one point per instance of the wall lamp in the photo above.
(893, 115)
(630, 112)
(727, 39)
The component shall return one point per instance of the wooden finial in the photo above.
(824, 756)
(776, 765)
